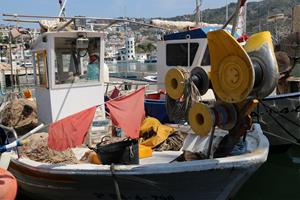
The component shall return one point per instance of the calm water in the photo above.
(278, 178)
(132, 67)
(136, 70)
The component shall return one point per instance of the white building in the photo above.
(130, 48)
(141, 57)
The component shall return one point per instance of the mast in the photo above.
(226, 10)
(198, 12)
(242, 20)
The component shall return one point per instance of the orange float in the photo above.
(8, 185)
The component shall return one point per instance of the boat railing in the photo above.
(126, 85)
(10, 130)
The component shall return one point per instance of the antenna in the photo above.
(62, 4)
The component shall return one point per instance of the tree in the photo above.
(145, 48)
(151, 47)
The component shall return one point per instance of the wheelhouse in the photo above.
(62, 61)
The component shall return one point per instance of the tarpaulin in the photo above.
(70, 131)
(128, 112)
(162, 132)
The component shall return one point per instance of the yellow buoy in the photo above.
(27, 93)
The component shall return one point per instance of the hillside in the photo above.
(257, 13)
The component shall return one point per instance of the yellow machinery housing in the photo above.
(238, 75)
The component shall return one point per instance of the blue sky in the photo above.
(108, 8)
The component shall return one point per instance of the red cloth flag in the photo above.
(128, 112)
(70, 131)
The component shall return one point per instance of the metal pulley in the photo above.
(176, 78)
(200, 79)
(236, 72)
(260, 49)
(202, 118)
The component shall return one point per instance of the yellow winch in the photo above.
(238, 72)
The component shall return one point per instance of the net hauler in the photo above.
(238, 76)
(239, 73)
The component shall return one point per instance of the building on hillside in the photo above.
(130, 48)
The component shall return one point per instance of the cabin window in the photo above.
(73, 65)
(177, 54)
(41, 63)
(206, 58)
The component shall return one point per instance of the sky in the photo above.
(107, 8)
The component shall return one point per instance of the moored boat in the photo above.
(71, 80)
(279, 116)
(155, 177)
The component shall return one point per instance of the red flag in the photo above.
(128, 112)
(70, 131)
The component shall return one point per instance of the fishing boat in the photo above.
(155, 177)
(232, 146)
(64, 91)
(151, 78)
(279, 114)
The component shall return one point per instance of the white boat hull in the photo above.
(208, 184)
(216, 178)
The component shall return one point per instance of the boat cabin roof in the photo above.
(197, 33)
(41, 41)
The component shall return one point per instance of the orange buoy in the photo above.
(8, 185)
(27, 93)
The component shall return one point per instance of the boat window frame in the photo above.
(79, 84)
(37, 55)
(205, 61)
(191, 58)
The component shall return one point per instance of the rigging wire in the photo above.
(277, 112)
(282, 126)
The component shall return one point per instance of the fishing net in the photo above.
(173, 143)
(18, 113)
(37, 149)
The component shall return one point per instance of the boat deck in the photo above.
(158, 158)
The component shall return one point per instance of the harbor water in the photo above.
(278, 178)
(132, 70)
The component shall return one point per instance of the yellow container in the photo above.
(144, 151)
